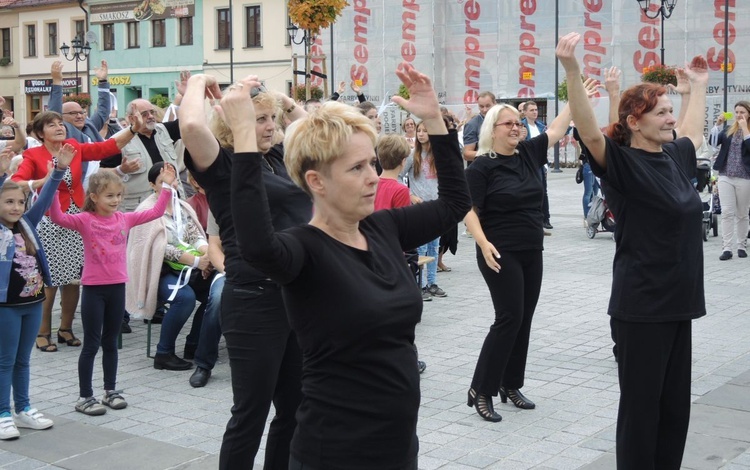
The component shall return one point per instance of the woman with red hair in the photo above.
(657, 285)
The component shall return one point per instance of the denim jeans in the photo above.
(210, 335)
(430, 249)
(179, 311)
(18, 328)
(590, 187)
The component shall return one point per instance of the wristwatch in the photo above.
(291, 108)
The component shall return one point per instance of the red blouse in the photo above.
(35, 160)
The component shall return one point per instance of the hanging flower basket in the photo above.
(298, 93)
(314, 15)
(84, 99)
(661, 74)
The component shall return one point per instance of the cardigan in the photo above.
(28, 222)
(34, 166)
(725, 141)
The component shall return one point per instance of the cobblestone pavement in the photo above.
(570, 375)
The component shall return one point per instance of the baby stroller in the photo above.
(599, 216)
(706, 186)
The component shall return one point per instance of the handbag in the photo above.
(579, 175)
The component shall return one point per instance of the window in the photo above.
(5, 38)
(186, 31)
(80, 29)
(51, 38)
(30, 40)
(252, 20)
(158, 33)
(108, 36)
(133, 39)
(224, 28)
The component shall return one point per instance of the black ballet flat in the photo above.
(517, 398)
(483, 404)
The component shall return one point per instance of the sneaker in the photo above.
(30, 418)
(8, 429)
(741, 253)
(725, 256)
(421, 366)
(114, 400)
(426, 296)
(90, 406)
(547, 225)
(435, 291)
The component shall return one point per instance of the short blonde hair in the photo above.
(315, 142)
(223, 133)
(485, 133)
(392, 150)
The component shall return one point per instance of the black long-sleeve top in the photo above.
(354, 312)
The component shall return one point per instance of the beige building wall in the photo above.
(271, 62)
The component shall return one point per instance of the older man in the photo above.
(155, 143)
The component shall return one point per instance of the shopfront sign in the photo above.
(141, 11)
(43, 86)
(113, 80)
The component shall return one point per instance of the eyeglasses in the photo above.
(75, 113)
(510, 124)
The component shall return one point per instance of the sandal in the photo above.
(73, 341)
(444, 269)
(49, 347)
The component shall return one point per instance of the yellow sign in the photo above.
(114, 80)
(730, 67)
(528, 75)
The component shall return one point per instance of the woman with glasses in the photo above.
(506, 219)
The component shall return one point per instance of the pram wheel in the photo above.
(715, 224)
(706, 229)
(591, 231)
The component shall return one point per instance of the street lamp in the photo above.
(80, 53)
(665, 11)
(308, 38)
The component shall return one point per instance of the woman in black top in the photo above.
(657, 285)
(350, 296)
(507, 192)
(264, 356)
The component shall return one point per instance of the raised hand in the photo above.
(136, 122)
(181, 84)
(56, 71)
(591, 85)
(566, 52)
(102, 72)
(697, 71)
(65, 156)
(742, 123)
(168, 174)
(683, 83)
(356, 88)
(422, 101)
(342, 87)
(237, 107)
(612, 80)
(5, 157)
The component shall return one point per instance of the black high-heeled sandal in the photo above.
(49, 347)
(517, 398)
(73, 341)
(483, 404)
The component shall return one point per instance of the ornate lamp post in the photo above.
(664, 11)
(308, 38)
(80, 53)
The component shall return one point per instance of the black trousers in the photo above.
(266, 366)
(102, 311)
(515, 292)
(654, 363)
(295, 464)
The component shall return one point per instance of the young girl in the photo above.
(420, 167)
(105, 232)
(23, 271)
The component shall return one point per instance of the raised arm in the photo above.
(19, 140)
(196, 135)
(692, 124)
(612, 86)
(56, 95)
(126, 135)
(581, 110)
(103, 104)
